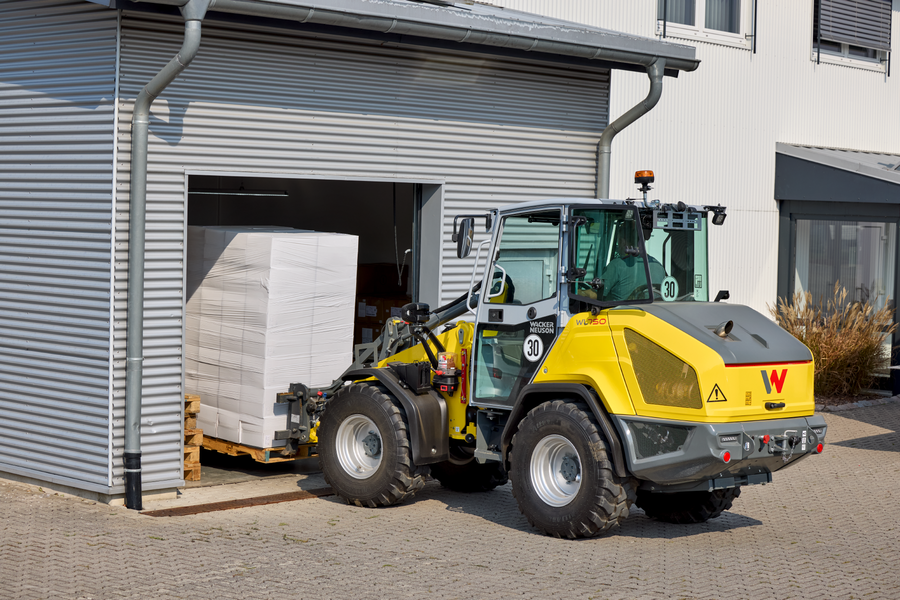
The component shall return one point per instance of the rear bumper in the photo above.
(681, 455)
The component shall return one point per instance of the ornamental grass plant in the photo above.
(846, 338)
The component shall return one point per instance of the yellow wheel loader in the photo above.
(586, 364)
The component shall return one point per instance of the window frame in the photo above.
(742, 39)
(820, 54)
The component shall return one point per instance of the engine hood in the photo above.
(754, 339)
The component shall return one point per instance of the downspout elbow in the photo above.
(167, 74)
(655, 72)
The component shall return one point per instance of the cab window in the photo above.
(527, 259)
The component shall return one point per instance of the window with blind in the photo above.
(852, 29)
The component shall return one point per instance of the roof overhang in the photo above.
(472, 25)
(834, 175)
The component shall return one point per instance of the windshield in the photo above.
(607, 249)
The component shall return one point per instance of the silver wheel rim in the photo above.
(556, 470)
(356, 438)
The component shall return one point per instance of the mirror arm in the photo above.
(473, 309)
(574, 273)
(485, 216)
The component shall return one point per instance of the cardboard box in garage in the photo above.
(267, 307)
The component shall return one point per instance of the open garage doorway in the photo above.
(389, 219)
(386, 216)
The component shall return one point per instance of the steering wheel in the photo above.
(592, 289)
(640, 293)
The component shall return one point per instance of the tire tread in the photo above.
(406, 479)
(686, 508)
(615, 494)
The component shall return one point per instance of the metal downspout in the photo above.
(193, 12)
(655, 72)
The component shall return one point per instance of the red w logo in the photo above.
(776, 379)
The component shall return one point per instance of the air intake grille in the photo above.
(664, 378)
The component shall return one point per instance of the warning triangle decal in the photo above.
(716, 395)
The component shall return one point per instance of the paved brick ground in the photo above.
(828, 528)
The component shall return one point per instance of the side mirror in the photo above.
(465, 237)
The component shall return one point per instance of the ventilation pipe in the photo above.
(604, 147)
(193, 12)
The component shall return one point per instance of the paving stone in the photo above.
(828, 527)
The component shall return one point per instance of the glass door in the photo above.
(518, 313)
(859, 255)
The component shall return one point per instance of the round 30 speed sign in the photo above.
(534, 348)
(669, 289)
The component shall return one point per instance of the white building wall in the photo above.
(712, 137)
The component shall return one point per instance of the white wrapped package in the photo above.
(267, 306)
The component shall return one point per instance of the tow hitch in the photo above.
(786, 443)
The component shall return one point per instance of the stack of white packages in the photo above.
(266, 307)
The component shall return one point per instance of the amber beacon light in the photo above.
(643, 177)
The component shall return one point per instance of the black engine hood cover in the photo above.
(755, 339)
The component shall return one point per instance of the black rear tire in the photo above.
(562, 477)
(687, 507)
(364, 449)
(462, 473)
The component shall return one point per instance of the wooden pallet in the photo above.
(191, 404)
(193, 438)
(192, 471)
(263, 455)
(191, 454)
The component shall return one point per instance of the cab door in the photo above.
(518, 310)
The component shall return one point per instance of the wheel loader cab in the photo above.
(552, 261)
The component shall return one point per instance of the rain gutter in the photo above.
(193, 12)
(417, 20)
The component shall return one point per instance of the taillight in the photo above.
(819, 448)
(726, 457)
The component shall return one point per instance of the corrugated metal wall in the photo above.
(275, 101)
(57, 89)
(712, 137)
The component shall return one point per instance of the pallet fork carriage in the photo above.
(591, 370)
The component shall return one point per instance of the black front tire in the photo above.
(364, 449)
(462, 473)
(685, 508)
(562, 477)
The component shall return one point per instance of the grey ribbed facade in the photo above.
(57, 91)
(490, 130)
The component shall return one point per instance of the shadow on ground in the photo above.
(884, 416)
(218, 469)
(499, 507)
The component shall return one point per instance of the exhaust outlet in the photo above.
(724, 329)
